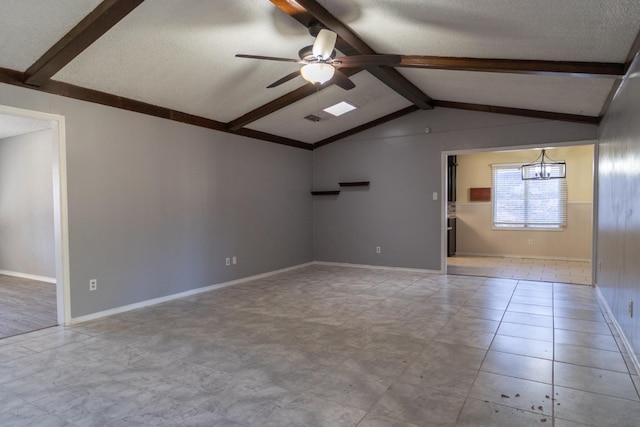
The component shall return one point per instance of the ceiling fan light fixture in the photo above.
(324, 44)
(317, 72)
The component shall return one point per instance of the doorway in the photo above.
(560, 253)
(33, 218)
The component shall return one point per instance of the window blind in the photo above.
(521, 203)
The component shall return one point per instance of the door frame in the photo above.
(443, 190)
(60, 206)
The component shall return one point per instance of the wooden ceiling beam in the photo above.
(633, 52)
(366, 126)
(327, 19)
(283, 101)
(250, 133)
(17, 78)
(462, 106)
(349, 43)
(86, 32)
(548, 115)
(515, 66)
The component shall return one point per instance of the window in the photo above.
(528, 204)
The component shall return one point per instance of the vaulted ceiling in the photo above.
(561, 60)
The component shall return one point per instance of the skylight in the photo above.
(340, 108)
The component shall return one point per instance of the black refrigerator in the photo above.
(451, 205)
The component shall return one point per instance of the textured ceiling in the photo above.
(373, 100)
(546, 93)
(14, 125)
(180, 55)
(29, 27)
(566, 30)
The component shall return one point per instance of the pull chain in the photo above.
(318, 101)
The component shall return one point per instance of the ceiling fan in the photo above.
(321, 64)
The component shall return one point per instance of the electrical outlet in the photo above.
(228, 261)
(531, 241)
(93, 284)
(235, 261)
(378, 250)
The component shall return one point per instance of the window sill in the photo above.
(527, 229)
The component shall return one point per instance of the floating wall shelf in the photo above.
(326, 193)
(355, 184)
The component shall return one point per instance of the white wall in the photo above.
(155, 206)
(404, 166)
(26, 205)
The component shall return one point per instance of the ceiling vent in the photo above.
(312, 118)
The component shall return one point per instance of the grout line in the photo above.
(504, 312)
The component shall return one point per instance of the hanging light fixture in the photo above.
(317, 72)
(544, 167)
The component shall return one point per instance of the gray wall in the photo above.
(403, 164)
(155, 206)
(619, 206)
(26, 205)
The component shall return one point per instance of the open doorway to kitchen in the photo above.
(33, 288)
(487, 244)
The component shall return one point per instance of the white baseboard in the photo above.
(190, 292)
(377, 267)
(523, 256)
(29, 276)
(632, 355)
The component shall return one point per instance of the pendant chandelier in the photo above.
(544, 167)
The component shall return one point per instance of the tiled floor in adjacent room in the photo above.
(332, 346)
(26, 305)
(546, 270)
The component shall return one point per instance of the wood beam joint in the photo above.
(349, 43)
(86, 32)
(283, 101)
(54, 87)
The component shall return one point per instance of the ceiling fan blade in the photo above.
(268, 58)
(340, 79)
(285, 79)
(358, 61)
(324, 44)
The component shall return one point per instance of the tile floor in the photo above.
(546, 270)
(332, 346)
(26, 305)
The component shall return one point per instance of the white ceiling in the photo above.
(373, 100)
(557, 30)
(179, 54)
(29, 27)
(14, 125)
(552, 93)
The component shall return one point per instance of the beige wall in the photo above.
(474, 170)
(475, 234)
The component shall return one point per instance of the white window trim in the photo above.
(560, 227)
